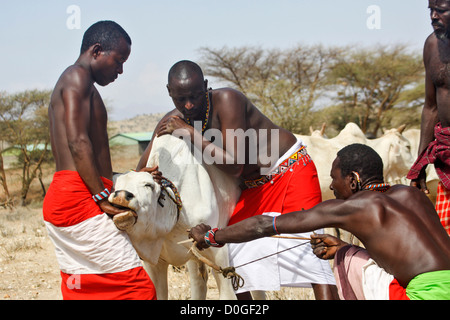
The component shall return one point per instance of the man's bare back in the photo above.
(397, 227)
(255, 120)
(231, 110)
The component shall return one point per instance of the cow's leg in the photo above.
(158, 274)
(198, 276)
(220, 258)
(259, 295)
(224, 286)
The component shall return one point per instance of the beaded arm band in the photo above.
(274, 225)
(210, 238)
(102, 195)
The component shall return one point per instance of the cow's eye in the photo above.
(150, 185)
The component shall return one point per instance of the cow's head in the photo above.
(137, 192)
(399, 158)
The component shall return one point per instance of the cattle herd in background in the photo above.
(397, 147)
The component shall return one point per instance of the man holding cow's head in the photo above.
(434, 147)
(407, 251)
(272, 185)
(97, 261)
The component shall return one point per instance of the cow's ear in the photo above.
(154, 160)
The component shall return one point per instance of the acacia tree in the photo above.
(24, 126)
(371, 82)
(292, 87)
(284, 84)
(7, 201)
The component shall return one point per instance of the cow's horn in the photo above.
(401, 128)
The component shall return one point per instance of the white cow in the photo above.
(208, 196)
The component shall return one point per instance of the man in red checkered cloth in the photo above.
(438, 153)
(434, 147)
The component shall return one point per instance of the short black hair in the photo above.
(106, 33)
(362, 159)
(183, 68)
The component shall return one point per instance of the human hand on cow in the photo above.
(325, 246)
(170, 124)
(198, 234)
(156, 174)
(111, 210)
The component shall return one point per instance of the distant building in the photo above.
(138, 139)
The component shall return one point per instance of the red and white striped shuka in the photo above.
(443, 206)
(97, 261)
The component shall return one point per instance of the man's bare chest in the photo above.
(440, 74)
(439, 68)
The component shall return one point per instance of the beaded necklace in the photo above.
(380, 187)
(207, 114)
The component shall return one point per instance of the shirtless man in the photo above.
(290, 177)
(397, 225)
(97, 261)
(434, 145)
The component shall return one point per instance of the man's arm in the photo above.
(331, 213)
(145, 156)
(429, 113)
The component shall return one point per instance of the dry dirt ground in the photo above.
(29, 270)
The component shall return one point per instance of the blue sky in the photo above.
(37, 45)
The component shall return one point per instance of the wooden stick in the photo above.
(279, 237)
(185, 241)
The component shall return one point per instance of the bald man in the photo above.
(224, 125)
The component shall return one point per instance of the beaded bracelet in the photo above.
(102, 195)
(210, 238)
(274, 225)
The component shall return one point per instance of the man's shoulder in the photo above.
(431, 39)
(403, 193)
(228, 98)
(430, 45)
(226, 91)
(75, 77)
(171, 113)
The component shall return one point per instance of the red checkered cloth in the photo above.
(443, 206)
(438, 153)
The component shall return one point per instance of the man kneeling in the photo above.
(398, 225)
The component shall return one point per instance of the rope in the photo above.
(167, 184)
(229, 272)
(298, 245)
(294, 238)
